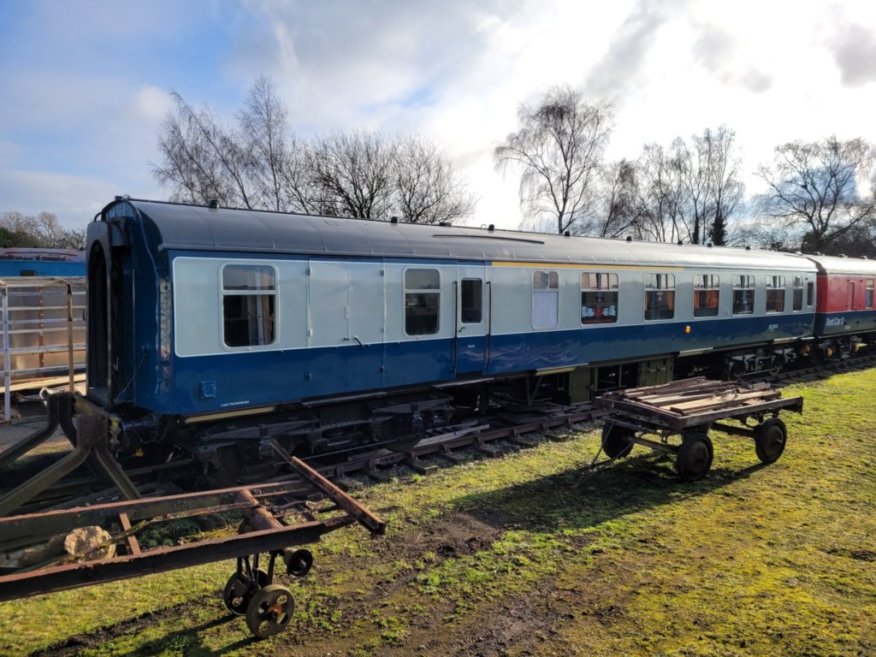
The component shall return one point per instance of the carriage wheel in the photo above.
(769, 440)
(617, 442)
(299, 563)
(694, 456)
(239, 590)
(269, 611)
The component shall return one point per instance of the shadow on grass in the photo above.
(187, 641)
(580, 498)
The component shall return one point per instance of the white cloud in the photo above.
(75, 199)
(451, 70)
(151, 104)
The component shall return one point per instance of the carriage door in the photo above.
(472, 321)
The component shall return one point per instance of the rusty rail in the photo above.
(270, 534)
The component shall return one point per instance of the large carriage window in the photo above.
(810, 293)
(798, 293)
(743, 295)
(869, 299)
(472, 301)
(248, 304)
(598, 298)
(422, 300)
(545, 299)
(775, 294)
(659, 296)
(707, 290)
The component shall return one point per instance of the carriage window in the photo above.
(707, 290)
(775, 294)
(869, 299)
(248, 305)
(598, 298)
(659, 296)
(422, 300)
(472, 300)
(810, 293)
(545, 299)
(743, 295)
(798, 293)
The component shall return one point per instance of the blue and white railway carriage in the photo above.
(200, 313)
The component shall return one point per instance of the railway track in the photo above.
(489, 436)
(480, 435)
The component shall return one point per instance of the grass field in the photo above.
(526, 555)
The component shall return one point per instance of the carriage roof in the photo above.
(202, 228)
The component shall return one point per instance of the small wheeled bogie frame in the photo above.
(264, 537)
(251, 592)
(690, 409)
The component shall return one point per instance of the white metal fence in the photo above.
(43, 326)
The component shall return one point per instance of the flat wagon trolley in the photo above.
(690, 408)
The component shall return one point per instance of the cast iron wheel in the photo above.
(269, 611)
(769, 440)
(617, 442)
(694, 456)
(239, 591)
(299, 563)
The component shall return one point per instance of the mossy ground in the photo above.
(522, 555)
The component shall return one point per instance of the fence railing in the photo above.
(43, 331)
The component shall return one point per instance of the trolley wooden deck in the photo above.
(690, 408)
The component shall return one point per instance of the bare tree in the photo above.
(275, 159)
(725, 187)
(558, 150)
(427, 190)
(688, 191)
(816, 185)
(262, 164)
(623, 213)
(40, 231)
(662, 192)
(353, 174)
(202, 159)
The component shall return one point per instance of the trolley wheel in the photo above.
(769, 440)
(694, 456)
(269, 611)
(299, 563)
(617, 442)
(239, 591)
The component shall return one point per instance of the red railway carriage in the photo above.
(846, 307)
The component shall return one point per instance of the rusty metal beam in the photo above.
(64, 520)
(68, 576)
(369, 520)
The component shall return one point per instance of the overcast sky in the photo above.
(84, 83)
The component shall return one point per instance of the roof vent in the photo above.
(629, 238)
(213, 204)
(843, 255)
(491, 227)
(680, 242)
(566, 233)
(444, 223)
(393, 220)
(117, 197)
(747, 247)
(709, 244)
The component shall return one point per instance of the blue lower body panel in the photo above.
(215, 383)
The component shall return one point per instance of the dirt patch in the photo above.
(451, 535)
